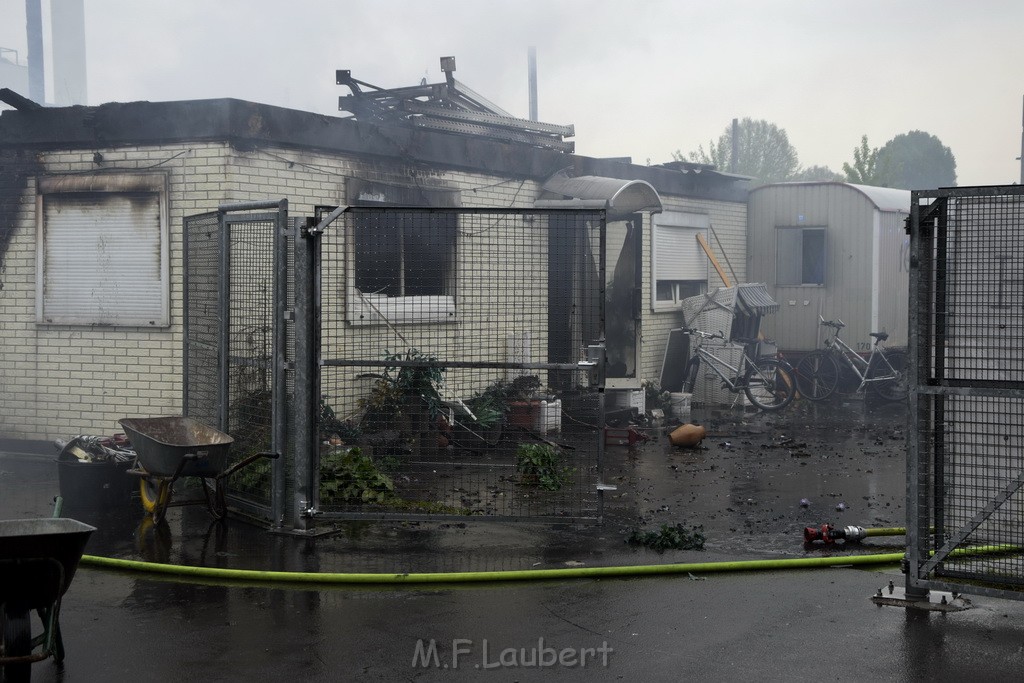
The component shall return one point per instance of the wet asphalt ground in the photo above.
(743, 487)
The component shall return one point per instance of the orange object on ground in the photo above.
(687, 435)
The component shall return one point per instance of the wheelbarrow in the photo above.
(169, 448)
(38, 559)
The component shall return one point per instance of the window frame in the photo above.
(693, 222)
(50, 189)
(678, 295)
(370, 308)
(796, 260)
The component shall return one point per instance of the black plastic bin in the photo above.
(104, 484)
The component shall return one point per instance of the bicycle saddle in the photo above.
(880, 336)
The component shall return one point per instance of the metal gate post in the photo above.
(915, 524)
(224, 333)
(278, 371)
(306, 474)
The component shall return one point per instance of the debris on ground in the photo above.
(688, 435)
(86, 448)
(669, 537)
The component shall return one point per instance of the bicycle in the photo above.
(884, 372)
(767, 382)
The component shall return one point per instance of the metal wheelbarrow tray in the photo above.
(38, 559)
(162, 442)
(168, 448)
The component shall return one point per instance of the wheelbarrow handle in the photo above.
(247, 461)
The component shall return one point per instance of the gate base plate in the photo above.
(935, 601)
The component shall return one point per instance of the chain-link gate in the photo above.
(236, 344)
(965, 468)
(450, 363)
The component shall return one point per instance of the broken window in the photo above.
(102, 250)
(404, 266)
(680, 265)
(800, 256)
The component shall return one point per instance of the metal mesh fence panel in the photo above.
(202, 318)
(250, 350)
(449, 342)
(966, 472)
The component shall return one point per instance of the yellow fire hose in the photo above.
(335, 578)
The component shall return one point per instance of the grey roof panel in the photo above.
(884, 198)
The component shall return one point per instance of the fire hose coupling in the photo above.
(830, 534)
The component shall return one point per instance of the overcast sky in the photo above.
(639, 79)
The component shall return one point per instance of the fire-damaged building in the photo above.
(92, 246)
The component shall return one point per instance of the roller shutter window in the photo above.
(680, 265)
(103, 259)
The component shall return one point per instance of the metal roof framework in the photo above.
(450, 107)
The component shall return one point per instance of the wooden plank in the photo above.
(711, 257)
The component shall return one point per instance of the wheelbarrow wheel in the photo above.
(213, 488)
(17, 643)
(155, 495)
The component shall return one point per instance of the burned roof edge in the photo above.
(245, 124)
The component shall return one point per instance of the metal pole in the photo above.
(224, 314)
(915, 524)
(733, 165)
(305, 382)
(278, 353)
(34, 26)
(532, 60)
(602, 366)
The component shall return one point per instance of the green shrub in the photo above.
(348, 476)
(669, 538)
(540, 465)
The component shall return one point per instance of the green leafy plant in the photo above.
(655, 396)
(669, 537)
(348, 476)
(540, 465)
(330, 424)
(397, 383)
(254, 478)
(491, 404)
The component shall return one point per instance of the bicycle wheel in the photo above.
(894, 389)
(768, 384)
(817, 375)
(17, 634)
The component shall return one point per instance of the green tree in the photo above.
(762, 151)
(866, 169)
(918, 161)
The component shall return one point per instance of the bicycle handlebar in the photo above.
(838, 324)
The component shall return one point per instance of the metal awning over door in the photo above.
(619, 198)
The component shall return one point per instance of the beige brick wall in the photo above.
(60, 380)
(728, 244)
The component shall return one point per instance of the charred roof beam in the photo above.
(431, 109)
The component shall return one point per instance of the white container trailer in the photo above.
(831, 249)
